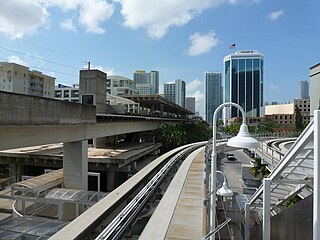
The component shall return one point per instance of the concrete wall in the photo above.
(18, 109)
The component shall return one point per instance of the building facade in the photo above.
(176, 92)
(213, 94)
(67, 93)
(243, 82)
(191, 104)
(19, 79)
(314, 88)
(146, 83)
(304, 107)
(120, 86)
(304, 89)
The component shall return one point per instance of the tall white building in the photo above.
(176, 92)
(213, 94)
(243, 82)
(19, 79)
(314, 88)
(146, 83)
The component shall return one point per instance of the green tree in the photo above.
(259, 169)
(172, 136)
(196, 132)
(298, 119)
(232, 129)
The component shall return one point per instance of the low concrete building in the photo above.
(120, 86)
(67, 93)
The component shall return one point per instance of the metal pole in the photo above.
(247, 222)
(266, 209)
(316, 174)
(213, 185)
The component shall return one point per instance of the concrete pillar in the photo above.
(110, 181)
(75, 165)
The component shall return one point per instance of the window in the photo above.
(66, 93)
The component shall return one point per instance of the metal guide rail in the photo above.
(119, 224)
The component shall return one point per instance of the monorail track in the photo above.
(114, 214)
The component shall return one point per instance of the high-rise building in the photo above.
(19, 79)
(169, 90)
(213, 94)
(176, 92)
(146, 83)
(243, 82)
(191, 104)
(314, 88)
(304, 89)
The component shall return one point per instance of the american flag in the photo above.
(232, 46)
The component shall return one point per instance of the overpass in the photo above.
(29, 121)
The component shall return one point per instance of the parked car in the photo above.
(231, 156)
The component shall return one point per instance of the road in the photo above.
(232, 169)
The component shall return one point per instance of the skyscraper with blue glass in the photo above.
(213, 94)
(243, 82)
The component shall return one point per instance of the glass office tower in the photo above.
(213, 92)
(243, 82)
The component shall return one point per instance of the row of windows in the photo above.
(284, 117)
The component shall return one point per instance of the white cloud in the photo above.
(275, 15)
(93, 13)
(16, 59)
(68, 25)
(20, 17)
(274, 88)
(158, 16)
(202, 43)
(108, 70)
(199, 96)
(25, 17)
(193, 86)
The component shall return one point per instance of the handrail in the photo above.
(15, 212)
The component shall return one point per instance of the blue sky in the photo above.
(179, 38)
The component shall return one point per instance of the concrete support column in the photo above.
(266, 209)
(75, 165)
(316, 174)
(110, 181)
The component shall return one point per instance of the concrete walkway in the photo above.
(181, 213)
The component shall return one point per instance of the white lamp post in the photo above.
(242, 140)
(224, 191)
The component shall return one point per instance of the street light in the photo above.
(224, 191)
(242, 140)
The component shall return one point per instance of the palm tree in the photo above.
(259, 169)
